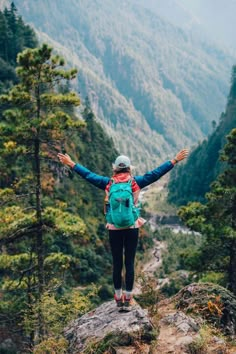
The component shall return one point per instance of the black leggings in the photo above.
(123, 241)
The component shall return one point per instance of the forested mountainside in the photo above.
(192, 180)
(52, 233)
(154, 86)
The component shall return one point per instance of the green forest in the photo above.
(204, 163)
(55, 263)
(204, 189)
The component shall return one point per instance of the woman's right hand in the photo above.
(66, 160)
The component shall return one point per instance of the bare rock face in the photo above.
(106, 324)
(183, 322)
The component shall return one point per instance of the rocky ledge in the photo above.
(104, 327)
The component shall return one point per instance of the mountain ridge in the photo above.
(151, 105)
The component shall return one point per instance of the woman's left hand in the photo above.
(182, 154)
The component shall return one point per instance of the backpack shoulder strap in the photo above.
(130, 181)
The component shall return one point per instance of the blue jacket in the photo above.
(142, 181)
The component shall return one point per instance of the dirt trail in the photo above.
(153, 263)
(156, 258)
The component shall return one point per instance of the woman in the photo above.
(123, 240)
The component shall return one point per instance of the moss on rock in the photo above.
(212, 302)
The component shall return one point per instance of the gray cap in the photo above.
(122, 161)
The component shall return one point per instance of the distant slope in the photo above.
(154, 87)
(192, 180)
(213, 19)
(216, 17)
(174, 11)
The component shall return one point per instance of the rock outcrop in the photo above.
(105, 327)
(211, 302)
(185, 323)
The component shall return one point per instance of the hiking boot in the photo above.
(128, 304)
(119, 302)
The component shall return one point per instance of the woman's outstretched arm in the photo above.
(93, 178)
(154, 175)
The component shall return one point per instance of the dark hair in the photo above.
(121, 170)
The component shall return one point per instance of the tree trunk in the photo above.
(39, 232)
(29, 299)
(232, 262)
(232, 267)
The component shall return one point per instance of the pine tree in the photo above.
(15, 36)
(3, 37)
(33, 129)
(232, 93)
(11, 18)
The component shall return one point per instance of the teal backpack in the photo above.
(122, 212)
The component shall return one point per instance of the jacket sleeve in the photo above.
(93, 178)
(154, 175)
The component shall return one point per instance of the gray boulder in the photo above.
(105, 327)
